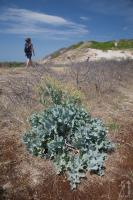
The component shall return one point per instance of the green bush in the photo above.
(70, 137)
(102, 45)
(52, 91)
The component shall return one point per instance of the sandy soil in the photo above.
(81, 55)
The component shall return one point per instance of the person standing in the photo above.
(28, 49)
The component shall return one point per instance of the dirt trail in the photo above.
(24, 177)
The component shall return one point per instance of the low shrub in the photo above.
(102, 45)
(66, 134)
(52, 91)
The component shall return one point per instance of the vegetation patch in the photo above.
(102, 45)
(51, 90)
(67, 134)
(11, 64)
(121, 44)
(55, 54)
(114, 126)
(75, 46)
(125, 44)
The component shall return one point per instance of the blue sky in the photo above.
(53, 24)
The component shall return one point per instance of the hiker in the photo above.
(28, 51)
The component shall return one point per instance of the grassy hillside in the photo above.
(62, 50)
(121, 44)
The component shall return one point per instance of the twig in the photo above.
(71, 147)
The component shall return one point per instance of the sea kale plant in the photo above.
(66, 134)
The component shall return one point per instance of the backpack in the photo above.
(28, 48)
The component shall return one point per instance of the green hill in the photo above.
(121, 44)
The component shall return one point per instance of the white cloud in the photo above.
(15, 14)
(84, 18)
(23, 21)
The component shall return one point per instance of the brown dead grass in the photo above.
(24, 177)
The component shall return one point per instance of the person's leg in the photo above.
(28, 62)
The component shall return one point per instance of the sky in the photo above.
(54, 24)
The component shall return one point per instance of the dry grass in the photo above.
(24, 177)
(104, 76)
(108, 86)
(58, 69)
